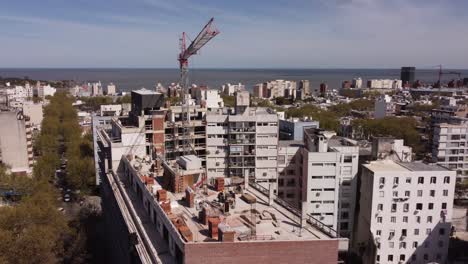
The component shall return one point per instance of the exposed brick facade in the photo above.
(290, 252)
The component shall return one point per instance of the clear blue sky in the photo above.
(254, 33)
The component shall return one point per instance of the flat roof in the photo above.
(290, 143)
(145, 91)
(390, 165)
(272, 223)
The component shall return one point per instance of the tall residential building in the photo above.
(329, 182)
(274, 89)
(96, 89)
(231, 89)
(384, 84)
(244, 145)
(34, 112)
(304, 87)
(408, 75)
(384, 106)
(110, 89)
(450, 147)
(16, 142)
(405, 213)
(357, 83)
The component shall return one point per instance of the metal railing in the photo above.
(322, 227)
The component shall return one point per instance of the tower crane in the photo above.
(208, 32)
(446, 73)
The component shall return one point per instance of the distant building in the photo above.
(405, 213)
(408, 75)
(304, 87)
(111, 89)
(230, 89)
(323, 89)
(16, 142)
(96, 89)
(274, 89)
(357, 83)
(346, 84)
(384, 106)
(384, 84)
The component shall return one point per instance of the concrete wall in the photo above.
(13, 143)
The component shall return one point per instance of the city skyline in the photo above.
(297, 34)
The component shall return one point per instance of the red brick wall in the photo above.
(290, 252)
(158, 123)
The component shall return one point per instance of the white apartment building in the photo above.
(210, 98)
(45, 90)
(357, 83)
(384, 106)
(111, 89)
(277, 88)
(244, 145)
(96, 88)
(405, 212)
(231, 89)
(384, 84)
(330, 166)
(450, 148)
(111, 110)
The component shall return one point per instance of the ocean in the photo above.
(130, 79)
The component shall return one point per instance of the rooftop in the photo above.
(389, 165)
(257, 221)
(145, 91)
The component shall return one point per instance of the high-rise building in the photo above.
(405, 213)
(330, 166)
(304, 86)
(357, 83)
(110, 89)
(408, 75)
(449, 147)
(16, 142)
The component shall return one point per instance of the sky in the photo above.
(254, 33)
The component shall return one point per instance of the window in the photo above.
(446, 179)
(419, 206)
(406, 207)
(420, 180)
(415, 244)
(393, 219)
(444, 205)
(426, 257)
(441, 231)
(378, 232)
(344, 215)
(381, 194)
(394, 207)
(391, 244)
(380, 207)
(347, 159)
(395, 180)
(391, 235)
(408, 180)
(402, 244)
(377, 258)
(431, 206)
(413, 257)
(379, 219)
(420, 193)
(433, 180)
(405, 219)
(429, 219)
(281, 159)
(432, 193)
(382, 180)
(390, 257)
(407, 193)
(402, 256)
(428, 231)
(418, 219)
(395, 193)
(445, 192)
(416, 232)
(404, 232)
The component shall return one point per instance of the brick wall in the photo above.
(311, 252)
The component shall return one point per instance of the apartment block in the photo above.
(450, 147)
(384, 106)
(16, 150)
(243, 145)
(274, 89)
(405, 212)
(330, 166)
(293, 129)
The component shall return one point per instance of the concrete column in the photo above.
(270, 194)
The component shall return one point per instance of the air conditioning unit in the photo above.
(381, 186)
(317, 205)
(317, 194)
(264, 174)
(217, 163)
(217, 152)
(322, 217)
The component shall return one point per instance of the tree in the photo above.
(229, 100)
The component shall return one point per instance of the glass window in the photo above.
(433, 180)
(380, 207)
(446, 179)
(416, 232)
(420, 193)
(415, 244)
(390, 257)
(445, 193)
(420, 180)
(408, 180)
(432, 193)
(431, 206)
(419, 206)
